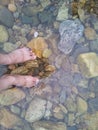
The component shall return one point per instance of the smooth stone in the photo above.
(71, 118)
(26, 20)
(70, 105)
(81, 14)
(70, 32)
(81, 106)
(9, 47)
(96, 25)
(6, 17)
(88, 64)
(7, 119)
(48, 110)
(3, 34)
(12, 7)
(35, 20)
(91, 121)
(90, 33)
(93, 104)
(46, 17)
(11, 96)
(36, 110)
(58, 113)
(31, 10)
(15, 109)
(45, 3)
(62, 13)
(48, 125)
(72, 128)
(94, 45)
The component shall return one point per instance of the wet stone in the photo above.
(81, 106)
(46, 125)
(88, 64)
(93, 104)
(70, 31)
(6, 17)
(8, 119)
(36, 110)
(11, 96)
(3, 34)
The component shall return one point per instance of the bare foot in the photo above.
(21, 55)
(7, 81)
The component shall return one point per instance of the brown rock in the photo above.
(90, 33)
(38, 45)
(7, 119)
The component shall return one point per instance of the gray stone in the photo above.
(6, 17)
(45, 3)
(31, 10)
(70, 31)
(46, 17)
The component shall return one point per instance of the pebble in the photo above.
(36, 110)
(8, 47)
(62, 13)
(81, 106)
(88, 64)
(91, 121)
(6, 17)
(46, 125)
(12, 7)
(45, 3)
(11, 96)
(94, 45)
(3, 34)
(31, 10)
(8, 119)
(90, 33)
(70, 31)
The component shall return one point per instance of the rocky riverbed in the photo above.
(64, 36)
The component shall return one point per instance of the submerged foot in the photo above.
(20, 55)
(7, 81)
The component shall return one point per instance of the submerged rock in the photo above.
(36, 110)
(88, 64)
(48, 125)
(3, 34)
(7, 119)
(62, 13)
(11, 96)
(6, 17)
(70, 31)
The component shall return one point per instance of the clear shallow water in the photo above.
(69, 97)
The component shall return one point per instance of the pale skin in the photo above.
(17, 56)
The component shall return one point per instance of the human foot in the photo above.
(21, 55)
(7, 81)
(25, 81)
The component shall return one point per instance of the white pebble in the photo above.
(35, 34)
